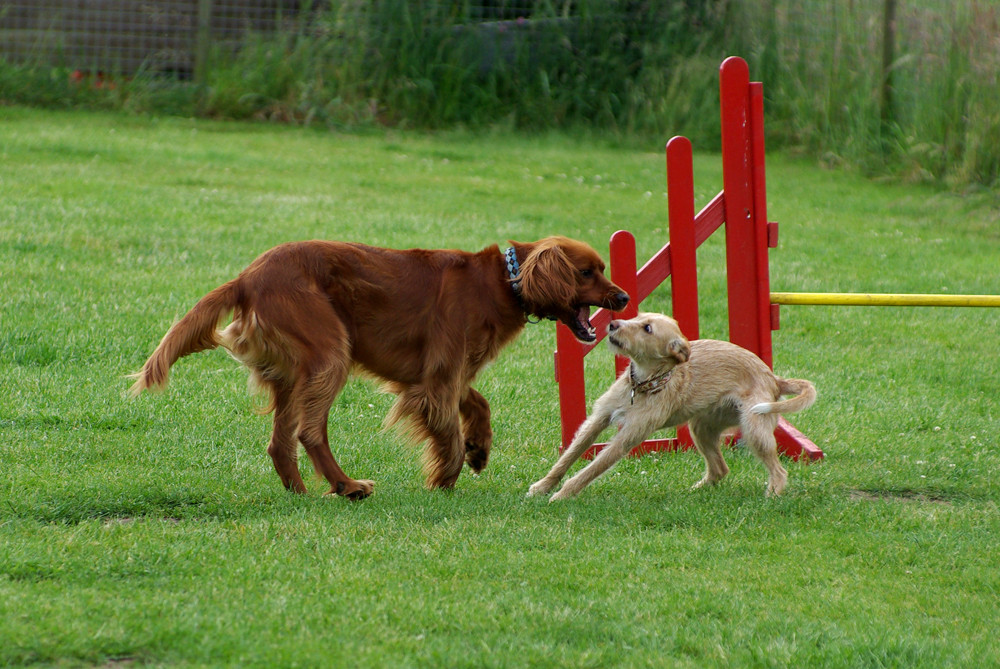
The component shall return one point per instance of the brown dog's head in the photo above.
(561, 279)
(649, 339)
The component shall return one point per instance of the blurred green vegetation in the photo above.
(638, 72)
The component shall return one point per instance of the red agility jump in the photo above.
(742, 208)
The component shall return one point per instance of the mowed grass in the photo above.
(154, 531)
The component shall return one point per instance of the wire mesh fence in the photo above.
(170, 36)
(123, 36)
(915, 87)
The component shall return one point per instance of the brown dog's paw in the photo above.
(477, 456)
(353, 490)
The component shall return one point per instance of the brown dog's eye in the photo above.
(648, 328)
(586, 273)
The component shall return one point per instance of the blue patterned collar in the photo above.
(513, 271)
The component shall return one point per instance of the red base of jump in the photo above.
(742, 208)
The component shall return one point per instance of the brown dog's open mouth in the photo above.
(580, 325)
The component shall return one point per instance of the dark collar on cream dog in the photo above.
(650, 386)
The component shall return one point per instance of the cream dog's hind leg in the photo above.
(758, 431)
(706, 434)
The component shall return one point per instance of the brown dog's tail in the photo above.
(805, 395)
(195, 332)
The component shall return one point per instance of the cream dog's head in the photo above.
(650, 340)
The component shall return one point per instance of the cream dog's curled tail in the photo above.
(805, 395)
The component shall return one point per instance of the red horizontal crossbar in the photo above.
(657, 269)
(791, 443)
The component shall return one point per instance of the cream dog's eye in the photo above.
(648, 328)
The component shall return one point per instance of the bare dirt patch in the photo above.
(905, 496)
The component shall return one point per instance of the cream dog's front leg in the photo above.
(584, 439)
(619, 447)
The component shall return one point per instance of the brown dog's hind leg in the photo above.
(284, 445)
(316, 393)
(476, 430)
(707, 437)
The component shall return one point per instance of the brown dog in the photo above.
(711, 385)
(307, 314)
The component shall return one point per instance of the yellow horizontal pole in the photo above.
(886, 300)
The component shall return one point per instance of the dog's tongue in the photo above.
(585, 329)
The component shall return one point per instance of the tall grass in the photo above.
(640, 71)
(823, 80)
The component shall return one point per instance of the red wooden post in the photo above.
(742, 207)
(743, 271)
(683, 257)
(764, 232)
(683, 263)
(570, 353)
(748, 233)
(623, 273)
(572, 389)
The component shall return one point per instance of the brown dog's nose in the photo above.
(620, 300)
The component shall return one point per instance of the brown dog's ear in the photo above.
(548, 278)
(679, 349)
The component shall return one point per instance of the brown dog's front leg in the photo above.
(476, 430)
(445, 452)
(444, 457)
(435, 417)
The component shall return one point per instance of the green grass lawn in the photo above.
(155, 532)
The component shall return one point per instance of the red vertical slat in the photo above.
(684, 268)
(624, 275)
(760, 224)
(572, 390)
(741, 256)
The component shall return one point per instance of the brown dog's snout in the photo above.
(618, 300)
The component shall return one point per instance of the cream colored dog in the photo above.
(711, 385)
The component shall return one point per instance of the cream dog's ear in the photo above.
(680, 349)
